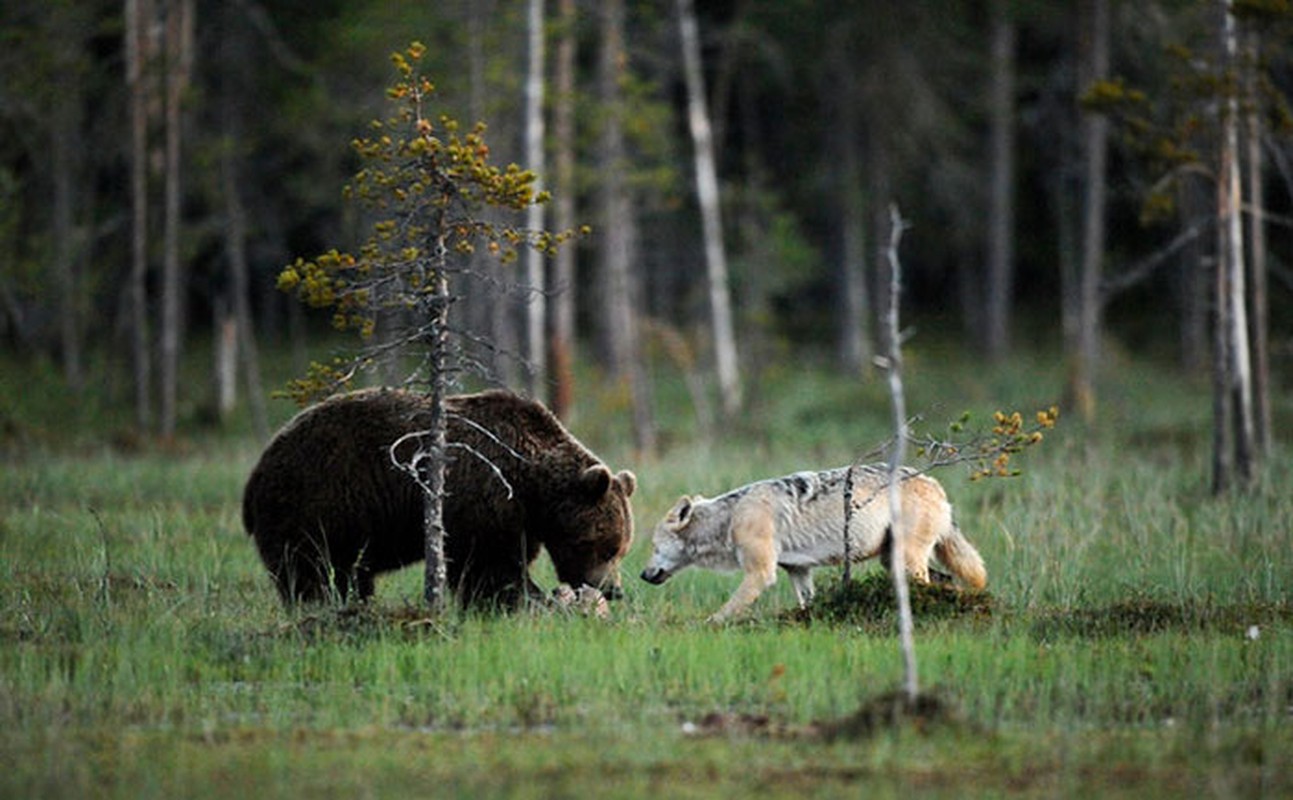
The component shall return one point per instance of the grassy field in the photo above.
(1138, 638)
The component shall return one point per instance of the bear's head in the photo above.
(592, 528)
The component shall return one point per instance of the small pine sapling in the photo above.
(423, 184)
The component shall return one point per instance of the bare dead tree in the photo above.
(893, 366)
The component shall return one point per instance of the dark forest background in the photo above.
(1058, 163)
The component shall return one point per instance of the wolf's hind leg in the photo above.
(801, 578)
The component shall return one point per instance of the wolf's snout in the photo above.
(655, 575)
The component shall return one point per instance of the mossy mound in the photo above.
(871, 599)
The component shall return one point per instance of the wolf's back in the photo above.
(959, 556)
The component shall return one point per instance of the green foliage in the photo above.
(424, 185)
(989, 456)
(1173, 127)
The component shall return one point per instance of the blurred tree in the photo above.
(1257, 265)
(48, 100)
(563, 284)
(855, 344)
(1094, 65)
(620, 334)
(1234, 431)
(235, 63)
(1001, 191)
(720, 304)
(140, 52)
(178, 37)
(536, 305)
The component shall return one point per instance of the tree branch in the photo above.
(1142, 269)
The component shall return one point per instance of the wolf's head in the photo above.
(687, 534)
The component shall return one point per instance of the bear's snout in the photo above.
(655, 575)
(613, 593)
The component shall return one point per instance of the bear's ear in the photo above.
(680, 514)
(595, 481)
(629, 481)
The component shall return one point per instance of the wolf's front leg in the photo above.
(751, 587)
(752, 533)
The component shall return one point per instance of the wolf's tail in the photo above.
(959, 556)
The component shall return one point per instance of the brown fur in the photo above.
(329, 510)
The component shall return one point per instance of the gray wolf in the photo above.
(796, 522)
(329, 510)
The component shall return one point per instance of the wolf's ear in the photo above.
(627, 480)
(680, 514)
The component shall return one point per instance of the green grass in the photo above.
(143, 652)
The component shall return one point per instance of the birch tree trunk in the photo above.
(615, 234)
(1253, 130)
(1095, 144)
(720, 304)
(137, 13)
(536, 300)
(1234, 434)
(563, 282)
(1001, 218)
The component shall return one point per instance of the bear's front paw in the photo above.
(585, 600)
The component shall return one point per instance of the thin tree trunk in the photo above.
(897, 564)
(435, 589)
(615, 338)
(239, 272)
(1069, 255)
(622, 343)
(855, 341)
(178, 55)
(65, 148)
(1095, 136)
(1257, 256)
(1001, 220)
(536, 300)
(137, 14)
(563, 283)
(236, 61)
(1192, 283)
(720, 303)
(1234, 367)
(225, 352)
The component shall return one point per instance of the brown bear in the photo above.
(329, 509)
